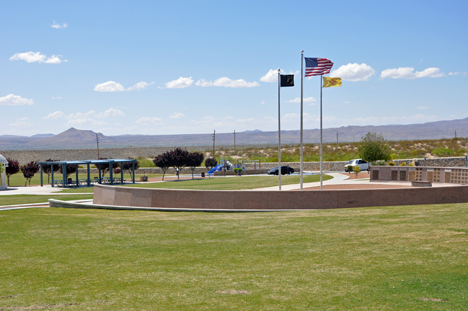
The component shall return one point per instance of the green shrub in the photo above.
(381, 163)
(349, 168)
(410, 164)
(356, 170)
(145, 162)
(237, 171)
(443, 152)
(391, 163)
(402, 164)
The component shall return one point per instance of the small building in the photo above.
(4, 165)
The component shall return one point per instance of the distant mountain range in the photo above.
(74, 138)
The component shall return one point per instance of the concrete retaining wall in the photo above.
(273, 200)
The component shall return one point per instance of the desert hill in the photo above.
(75, 138)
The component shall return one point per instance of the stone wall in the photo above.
(272, 200)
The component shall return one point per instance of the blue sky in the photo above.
(175, 67)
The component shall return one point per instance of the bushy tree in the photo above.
(194, 160)
(47, 169)
(13, 168)
(128, 166)
(164, 161)
(374, 147)
(179, 159)
(70, 169)
(29, 170)
(210, 163)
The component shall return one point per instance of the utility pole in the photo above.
(337, 138)
(455, 133)
(234, 139)
(214, 139)
(97, 142)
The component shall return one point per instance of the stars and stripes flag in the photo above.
(317, 66)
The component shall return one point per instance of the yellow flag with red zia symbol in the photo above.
(331, 82)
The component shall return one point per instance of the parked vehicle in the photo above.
(363, 165)
(284, 170)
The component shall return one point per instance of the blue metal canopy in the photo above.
(68, 181)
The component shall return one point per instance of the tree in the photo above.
(13, 168)
(48, 168)
(374, 147)
(70, 169)
(210, 163)
(128, 166)
(179, 159)
(163, 161)
(29, 170)
(194, 160)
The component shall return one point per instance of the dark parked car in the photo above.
(284, 170)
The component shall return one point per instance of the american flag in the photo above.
(317, 66)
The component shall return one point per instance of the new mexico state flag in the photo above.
(331, 82)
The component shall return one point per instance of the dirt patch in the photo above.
(360, 175)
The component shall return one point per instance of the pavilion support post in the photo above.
(41, 175)
(99, 170)
(88, 180)
(111, 175)
(133, 170)
(77, 184)
(52, 173)
(121, 173)
(64, 174)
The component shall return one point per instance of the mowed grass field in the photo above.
(221, 183)
(386, 258)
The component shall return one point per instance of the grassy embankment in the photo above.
(223, 183)
(386, 258)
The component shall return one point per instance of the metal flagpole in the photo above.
(302, 114)
(279, 131)
(321, 152)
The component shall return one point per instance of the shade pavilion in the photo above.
(98, 163)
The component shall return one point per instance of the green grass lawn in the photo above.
(26, 198)
(222, 183)
(390, 258)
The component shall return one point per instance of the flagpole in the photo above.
(302, 115)
(279, 131)
(321, 150)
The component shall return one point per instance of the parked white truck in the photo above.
(363, 165)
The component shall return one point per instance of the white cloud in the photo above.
(109, 86)
(21, 122)
(305, 100)
(457, 73)
(91, 117)
(149, 120)
(203, 83)
(226, 82)
(140, 86)
(57, 97)
(418, 118)
(354, 72)
(346, 102)
(180, 83)
(263, 102)
(59, 26)
(15, 100)
(177, 115)
(409, 73)
(37, 57)
(423, 107)
(270, 76)
(55, 115)
(110, 113)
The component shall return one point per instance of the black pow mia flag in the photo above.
(287, 80)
